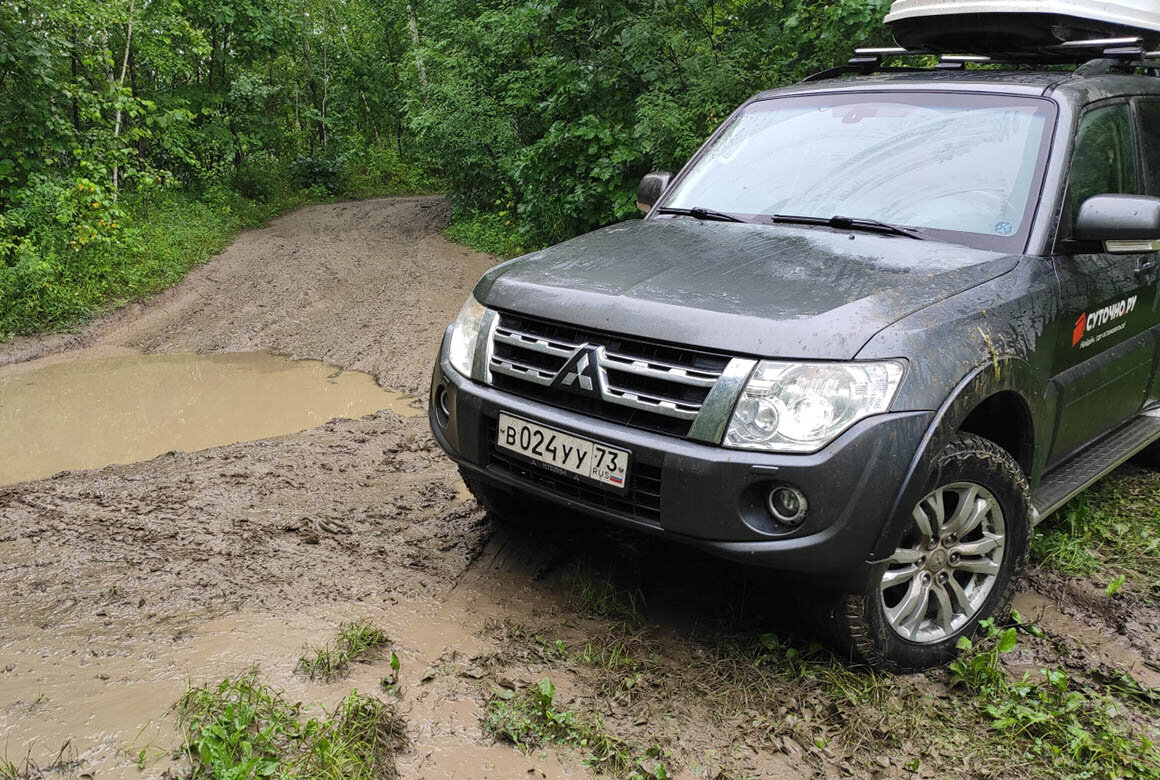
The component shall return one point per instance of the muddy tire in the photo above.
(958, 562)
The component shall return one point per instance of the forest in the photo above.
(139, 135)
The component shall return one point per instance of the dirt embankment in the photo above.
(125, 582)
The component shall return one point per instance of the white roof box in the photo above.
(985, 26)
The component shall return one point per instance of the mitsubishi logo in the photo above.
(581, 374)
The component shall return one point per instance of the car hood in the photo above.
(761, 290)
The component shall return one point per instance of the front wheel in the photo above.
(956, 563)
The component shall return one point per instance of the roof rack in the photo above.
(1114, 53)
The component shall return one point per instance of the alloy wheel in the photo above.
(946, 565)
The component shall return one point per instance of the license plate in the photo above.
(583, 457)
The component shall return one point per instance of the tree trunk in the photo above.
(413, 25)
(121, 85)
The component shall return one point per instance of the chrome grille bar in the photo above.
(658, 370)
(652, 404)
(534, 343)
(521, 371)
(656, 381)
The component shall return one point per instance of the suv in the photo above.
(874, 331)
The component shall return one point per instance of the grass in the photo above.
(163, 237)
(242, 728)
(600, 597)
(532, 718)
(493, 233)
(355, 642)
(65, 764)
(1111, 533)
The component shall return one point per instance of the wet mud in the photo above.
(124, 582)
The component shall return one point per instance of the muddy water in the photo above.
(91, 413)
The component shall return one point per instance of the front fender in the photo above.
(1009, 374)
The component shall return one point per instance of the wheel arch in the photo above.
(1005, 419)
(977, 405)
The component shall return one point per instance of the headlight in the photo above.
(465, 336)
(800, 407)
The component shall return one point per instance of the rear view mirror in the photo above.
(651, 188)
(1125, 224)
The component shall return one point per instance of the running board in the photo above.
(1078, 474)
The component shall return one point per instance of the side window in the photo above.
(1105, 157)
(1149, 126)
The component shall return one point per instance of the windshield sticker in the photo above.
(1082, 335)
(1004, 228)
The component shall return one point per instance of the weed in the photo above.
(532, 718)
(1074, 730)
(1115, 585)
(357, 641)
(389, 681)
(242, 728)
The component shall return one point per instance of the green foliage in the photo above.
(310, 172)
(59, 264)
(532, 718)
(1077, 731)
(357, 641)
(491, 232)
(241, 728)
(115, 110)
(602, 598)
(538, 117)
(559, 107)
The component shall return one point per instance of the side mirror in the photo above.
(1126, 224)
(652, 186)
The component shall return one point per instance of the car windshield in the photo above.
(965, 168)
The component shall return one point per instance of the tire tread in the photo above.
(850, 622)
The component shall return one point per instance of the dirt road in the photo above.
(126, 582)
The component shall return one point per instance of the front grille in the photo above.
(640, 499)
(644, 384)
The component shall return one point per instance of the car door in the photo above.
(1104, 350)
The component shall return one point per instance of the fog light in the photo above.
(787, 505)
(442, 410)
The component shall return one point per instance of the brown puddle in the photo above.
(93, 413)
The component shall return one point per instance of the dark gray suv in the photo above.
(879, 326)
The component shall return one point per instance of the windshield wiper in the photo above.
(854, 223)
(703, 214)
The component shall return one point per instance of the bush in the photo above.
(261, 179)
(317, 172)
(377, 170)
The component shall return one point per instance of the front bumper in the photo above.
(708, 496)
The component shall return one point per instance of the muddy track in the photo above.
(127, 581)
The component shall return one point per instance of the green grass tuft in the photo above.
(357, 641)
(242, 728)
(532, 718)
